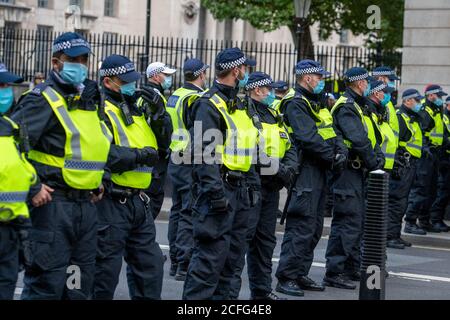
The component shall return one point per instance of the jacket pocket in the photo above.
(346, 202)
(40, 249)
(300, 204)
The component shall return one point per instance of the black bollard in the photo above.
(373, 250)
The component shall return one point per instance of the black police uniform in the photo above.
(179, 235)
(402, 177)
(437, 211)
(424, 188)
(126, 227)
(156, 190)
(343, 250)
(219, 237)
(261, 239)
(304, 223)
(65, 230)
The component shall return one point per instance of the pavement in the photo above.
(437, 240)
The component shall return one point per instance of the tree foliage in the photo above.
(332, 15)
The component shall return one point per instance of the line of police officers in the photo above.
(99, 154)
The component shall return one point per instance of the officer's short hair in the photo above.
(189, 77)
(57, 54)
(223, 73)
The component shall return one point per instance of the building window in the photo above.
(110, 8)
(8, 1)
(78, 3)
(43, 4)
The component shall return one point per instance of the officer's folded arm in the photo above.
(349, 123)
(306, 134)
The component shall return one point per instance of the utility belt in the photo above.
(72, 194)
(124, 194)
(233, 178)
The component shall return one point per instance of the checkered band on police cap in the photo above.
(117, 71)
(156, 71)
(201, 70)
(358, 77)
(233, 64)
(414, 95)
(380, 87)
(383, 73)
(309, 70)
(433, 91)
(70, 44)
(260, 83)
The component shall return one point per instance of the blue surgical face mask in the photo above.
(320, 86)
(74, 73)
(6, 99)
(128, 89)
(386, 99)
(417, 107)
(167, 83)
(269, 99)
(243, 82)
(391, 84)
(367, 91)
(439, 102)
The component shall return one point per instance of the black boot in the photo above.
(428, 227)
(338, 281)
(306, 283)
(413, 228)
(353, 276)
(269, 296)
(395, 244)
(173, 269)
(441, 226)
(404, 242)
(181, 273)
(289, 287)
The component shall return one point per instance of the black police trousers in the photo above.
(424, 189)
(437, 212)
(399, 189)
(9, 260)
(62, 247)
(344, 243)
(219, 243)
(127, 230)
(304, 223)
(156, 190)
(180, 236)
(261, 242)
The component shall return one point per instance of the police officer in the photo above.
(437, 211)
(222, 161)
(424, 188)
(153, 102)
(356, 128)
(314, 136)
(126, 228)
(281, 90)
(403, 173)
(388, 76)
(277, 166)
(17, 177)
(378, 101)
(70, 147)
(180, 167)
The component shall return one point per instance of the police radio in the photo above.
(128, 119)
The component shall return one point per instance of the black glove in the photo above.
(90, 98)
(339, 163)
(380, 163)
(286, 175)
(147, 156)
(153, 102)
(427, 153)
(219, 205)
